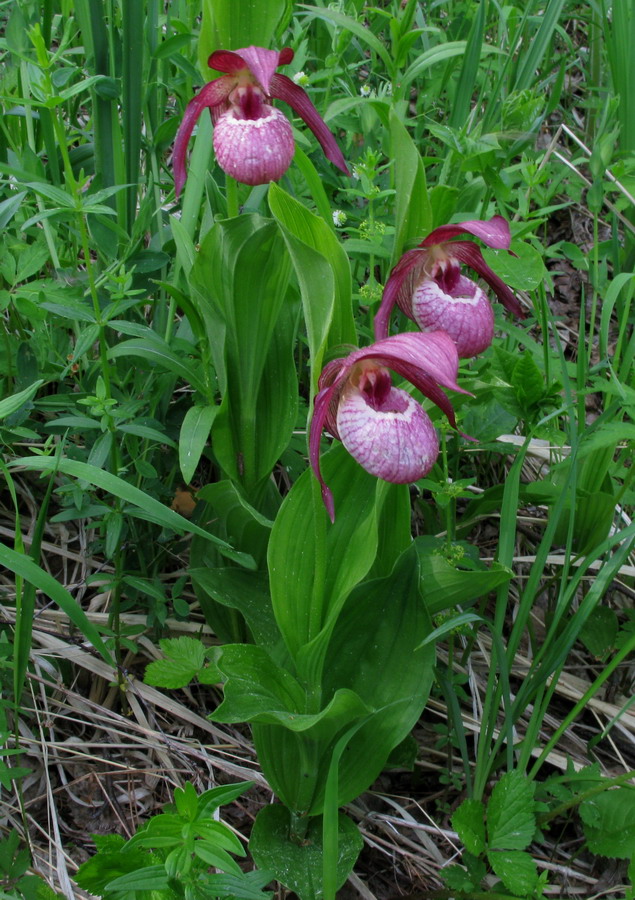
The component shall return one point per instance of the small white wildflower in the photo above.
(301, 78)
(339, 217)
(365, 90)
(356, 173)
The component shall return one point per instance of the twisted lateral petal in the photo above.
(213, 94)
(416, 357)
(320, 409)
(283, 88)
(404, 273)
(493, 232)
(396, 442)
(468, 253)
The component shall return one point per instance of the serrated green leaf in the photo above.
(511, 821)
(456, 878)
(184, 649)
(517, 871)
(170, 673)
(609, 823)
(469, 822)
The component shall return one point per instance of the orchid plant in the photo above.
(336, 656)
(253, 140)
(429, 288)
(383, 427)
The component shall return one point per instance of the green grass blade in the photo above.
(469, 69)
(28, 570)
(133, 50)
(130, 494)
(539, 45)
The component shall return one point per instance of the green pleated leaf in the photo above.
(413, 213)
(297, 864)
(244, 591)
(228, 25)
(444, 586)
(258, 690)
(373, 651)
(241, 276)
(312, 565)
(323, 273)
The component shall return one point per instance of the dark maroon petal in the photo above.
(286, 56)
(396, 291)
(320, 409)
(494, 232)
(468, 253)
(284, 89)
(226, 61)
(212, 95)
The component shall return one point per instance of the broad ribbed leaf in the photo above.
(323, 273)
(413, 213)
(241, 275)
(307, 588)
(228, 25)
(298, 864)
(258, 690)
(373, 652)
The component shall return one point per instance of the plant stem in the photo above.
(231, 187)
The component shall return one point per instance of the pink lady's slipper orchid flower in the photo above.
(253, 140)
(428, 287)
(381, 426)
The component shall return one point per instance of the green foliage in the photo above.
(171, 854)
(186, 660)
(297, 863)
(499, 833)
(146, 345)
(15, 881)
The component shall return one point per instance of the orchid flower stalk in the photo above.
(429, 288)
(383, 427)
(253, 140)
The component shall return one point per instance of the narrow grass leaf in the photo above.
(130, 494)
(34, 574)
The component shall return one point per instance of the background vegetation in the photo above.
(122, 409)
